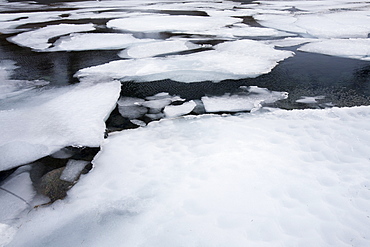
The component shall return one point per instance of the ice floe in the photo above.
(296, 178)
(351, 48)
(162, 23)
(151, 49)
(229, 60)
(68, 116)
(39, 38)
(249, 99)
(95, 41)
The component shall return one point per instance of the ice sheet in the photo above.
(284, 178)
(72, 115)
(229, 60)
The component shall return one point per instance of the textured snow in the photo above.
(157, 48)
(68, 116)
(95, 41)
(281, 178)
(229, 60)
(39, 39)
(351, 48)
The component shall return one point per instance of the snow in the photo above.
(351, 48)
(229, 60)
(68, 116)
(279, 178)
(39, 39)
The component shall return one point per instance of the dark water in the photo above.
(343, 81)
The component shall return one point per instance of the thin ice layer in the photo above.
(351, 48)
(284, 178)
(229, 60)
(39, 38)
(70, 116)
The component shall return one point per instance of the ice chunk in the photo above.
(290, 41)
(163, 23)
(95, 41)
(351, 48)
(39, 38)
(73, 170)
(179, 110)
(229, 60)
(251, 99)
(54, 119)
(132, 112)
(156, 48)
(309, 100)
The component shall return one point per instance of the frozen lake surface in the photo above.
(251, 122)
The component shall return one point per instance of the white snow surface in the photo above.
(73, 170)
(279, 178)
(54, 119)
(229, 60)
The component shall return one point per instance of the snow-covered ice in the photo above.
(229, 60)
(283, 178)
(179, 110)
(54, 119)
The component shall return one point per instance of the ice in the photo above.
(250, 99)
(309, 100)
(163, 23)
(229, 60)
(11, 88)
(73, 170)
(280, 178)
(68, 116)
(39, 38)
(95, 41)
(351, 48)
(179, 110)
(157, 48)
